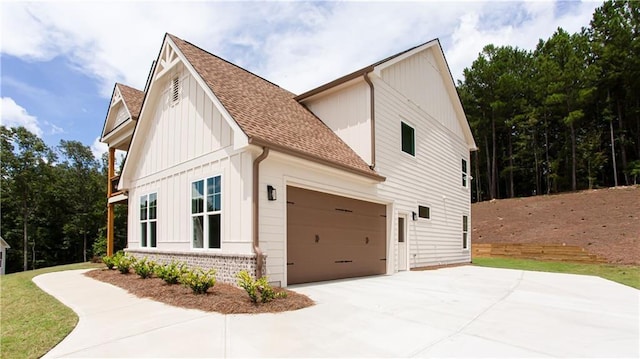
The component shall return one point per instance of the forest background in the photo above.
(563, 117)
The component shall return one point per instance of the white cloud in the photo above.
(297, 45)
(14, 115)
(54, 130)
(540, 22)
(98, 148)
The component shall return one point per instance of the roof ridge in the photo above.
(229, 62)
(125, 85)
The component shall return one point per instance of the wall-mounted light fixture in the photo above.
(271, 193)
(414, 216)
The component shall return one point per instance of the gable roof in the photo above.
(132, 99)
(269, 115)
(378, 66)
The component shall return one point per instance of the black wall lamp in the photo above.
(271, 193)
(414, 216)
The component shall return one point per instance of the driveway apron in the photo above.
(452, 312)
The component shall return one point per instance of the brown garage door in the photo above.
(333, 237)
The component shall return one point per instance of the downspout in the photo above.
(256, 212)
(373, 120)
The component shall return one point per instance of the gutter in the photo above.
(373, 120)
(297, 153)
(256, 211)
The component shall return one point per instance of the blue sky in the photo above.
(59, 60)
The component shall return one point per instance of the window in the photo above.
(464, 173)
(408, 139)
(465, 231)
(148, 220)
(424, 212)
(206, 212)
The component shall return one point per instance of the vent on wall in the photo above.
(175, 90)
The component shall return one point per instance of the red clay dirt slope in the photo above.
(605, 222)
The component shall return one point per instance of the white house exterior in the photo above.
(365, 175)
(3, 255)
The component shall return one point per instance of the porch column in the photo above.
(110, 206)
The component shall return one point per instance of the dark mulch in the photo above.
(222, 298)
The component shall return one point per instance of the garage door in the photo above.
(333, 237)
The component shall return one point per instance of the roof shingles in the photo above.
(270, 115)
(132, 98)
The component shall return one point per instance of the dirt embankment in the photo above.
(605, 222)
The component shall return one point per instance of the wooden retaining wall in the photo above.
(546, 252)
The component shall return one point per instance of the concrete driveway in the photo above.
(454, 312)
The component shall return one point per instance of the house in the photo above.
(366, 175)
(3, 255)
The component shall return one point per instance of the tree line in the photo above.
(562, 117)
(53, 202)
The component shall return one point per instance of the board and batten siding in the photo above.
(185, 141)
(182, 130)
(346, 112)
(121, 116)
(432, 178)
(419, 79)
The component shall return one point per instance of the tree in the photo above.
(25, 165)
(614, 35)
(85, 194)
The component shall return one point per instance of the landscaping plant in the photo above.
(144, 268)
(124, 262)
(259, 287)
(109, 261)
(171, 273)
(198, 280)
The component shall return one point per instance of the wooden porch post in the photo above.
(110, 206)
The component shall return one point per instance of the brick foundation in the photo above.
(226, 265)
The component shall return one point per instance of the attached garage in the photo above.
(333, 237)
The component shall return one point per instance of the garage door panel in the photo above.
(332, 237)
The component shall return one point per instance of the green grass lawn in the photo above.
(625, 274)
(33, 322)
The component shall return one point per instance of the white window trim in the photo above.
(424, 204)
(205, 213)
(467, 232)
(415, 138)
(465, 175)
(148, 220)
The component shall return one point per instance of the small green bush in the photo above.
(171, 273)
(144, 268)
(109, 261)
(259, 287)
(124, 262)
(198, 280)
(99, 247)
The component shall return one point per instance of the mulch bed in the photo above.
(221, 298)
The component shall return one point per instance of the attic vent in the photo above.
(175, 90)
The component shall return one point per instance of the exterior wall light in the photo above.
(414, 216)
(271, 193)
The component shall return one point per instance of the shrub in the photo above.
(124, 262)
(198, 280)
(109, 261)
(258, 287)
(171, 273)
(99, 247)
(144, 268)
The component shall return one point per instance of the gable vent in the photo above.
(175, 89)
